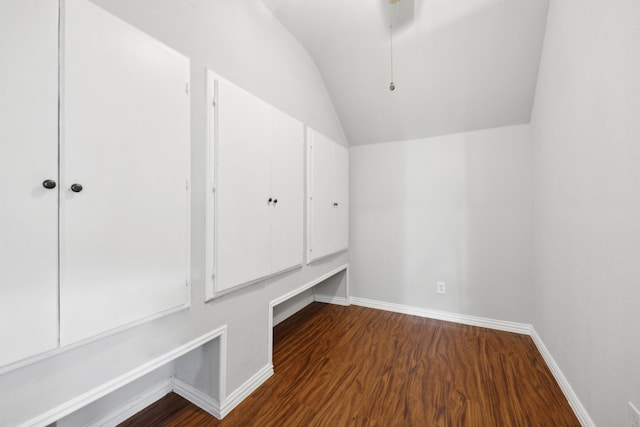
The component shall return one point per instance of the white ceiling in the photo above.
(459, 65)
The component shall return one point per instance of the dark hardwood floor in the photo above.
(354, 366)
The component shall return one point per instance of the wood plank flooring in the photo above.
(354, 366)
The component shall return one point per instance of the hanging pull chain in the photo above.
(392, 86)
(393, 10)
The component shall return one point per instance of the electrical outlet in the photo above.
(441, 288)
(634, 416)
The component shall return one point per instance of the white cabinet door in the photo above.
(328, 196)
(125, 140)
(255, 207)
(243, 187)
(287, 177)
(28, 156)
(341, 191)
(321, 195)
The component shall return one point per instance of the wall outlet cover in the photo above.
(441, 288)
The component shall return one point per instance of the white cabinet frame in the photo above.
(268, 137)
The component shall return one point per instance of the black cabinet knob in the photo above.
(270, 200)
(335, 205)
(76, 188)
(275, 201)
(49, 184)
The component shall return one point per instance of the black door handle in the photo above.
(76, 188)
(49, 184)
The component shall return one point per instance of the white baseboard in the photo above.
(331, 300)
(197, 397)
(518, 328)
(281, 317)
(91, 396)
(192, 394)
(245, 390)
(133, 406)
(569, 393)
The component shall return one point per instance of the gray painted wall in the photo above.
(244, 43)
(455, 209)
(586, 139)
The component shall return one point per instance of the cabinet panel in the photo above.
(28, 156)
(341, 191)
(287, 186)
(255, 206)
(125, 139)
(243, 224)
(321, 151)
(328, 196)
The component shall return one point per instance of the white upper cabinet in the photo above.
(243, 186)
(287, 188)
(125, 140)
(28, 157)
(328, 196)
(255, 212)
(94, 167)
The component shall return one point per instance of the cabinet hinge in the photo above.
(186, 88)
(213, 102)
(187, 184)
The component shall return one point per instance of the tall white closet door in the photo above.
(242, 188)
(28, 156)
(341, 204)
(287, 187)
(322, 196)
(125, 140)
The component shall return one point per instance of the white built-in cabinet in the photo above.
(256, 191)
(28, 156)
(94, 169)
(328, 196)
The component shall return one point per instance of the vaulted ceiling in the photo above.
(458, 65)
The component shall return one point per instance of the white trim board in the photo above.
(500, 325)
(292, 294)
(187, 391)
(569, 393)
(100, 391)
(197, 397)
(248, 387)
(133, 406)
(519, 328)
